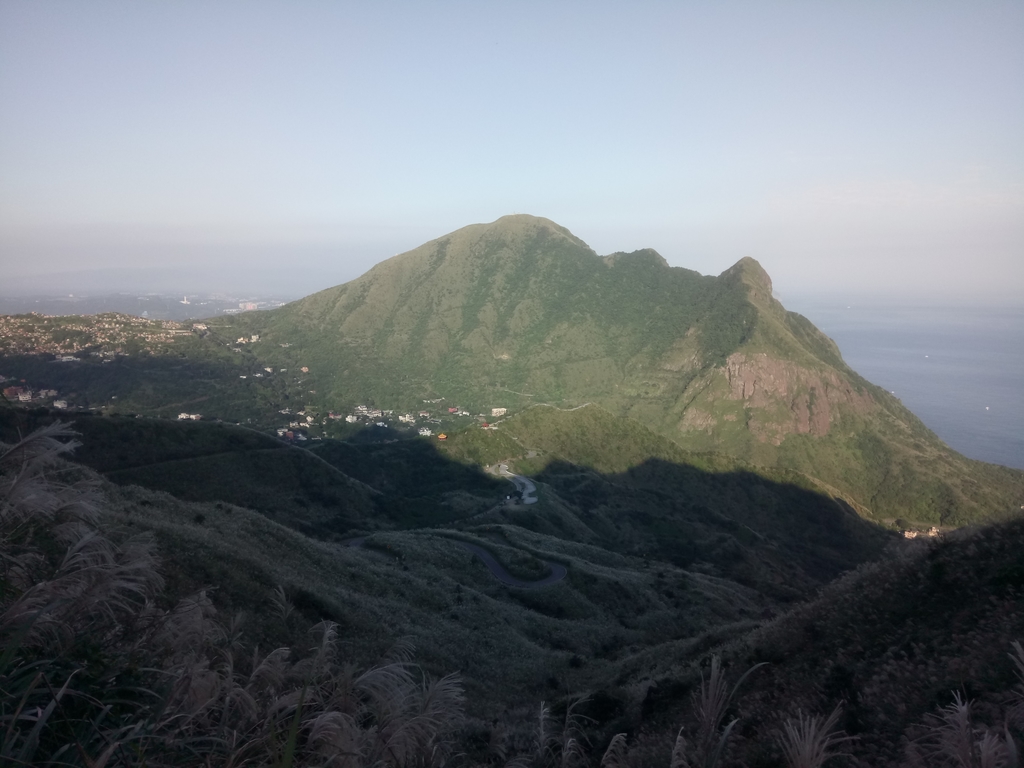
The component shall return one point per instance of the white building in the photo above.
(499, 411)
(425, 432)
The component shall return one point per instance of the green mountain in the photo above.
(520, 312)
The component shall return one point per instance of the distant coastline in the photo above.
(960, 369)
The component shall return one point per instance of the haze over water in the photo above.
(960, 370)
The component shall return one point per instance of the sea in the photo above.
(959, 369)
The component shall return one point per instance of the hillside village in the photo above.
(381, 418)
(22, 394)
(104, 338)
(65, 337)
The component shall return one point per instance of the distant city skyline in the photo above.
(854, 147)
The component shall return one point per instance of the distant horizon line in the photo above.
(789, 299)
(298, 277)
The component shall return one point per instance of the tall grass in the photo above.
(708, 744)
(93, 674)
(807, 741)
(952, 737)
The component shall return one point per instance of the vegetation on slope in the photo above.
(889, 643)
(520, 312)
(95, 674)
(218, 462)
(104, 664)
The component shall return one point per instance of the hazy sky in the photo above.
(848, 146)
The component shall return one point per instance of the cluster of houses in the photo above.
(63, 337)
(189, 416)
(931, 532)
(379, 417)
(27, 395)
(372, 416)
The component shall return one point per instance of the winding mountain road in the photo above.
(527, 493)
(558, 571)
(524, 485)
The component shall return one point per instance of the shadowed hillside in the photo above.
(889, 640)
(890, 644)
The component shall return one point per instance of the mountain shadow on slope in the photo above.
(207, 461)
(778, 538)
(195, 375)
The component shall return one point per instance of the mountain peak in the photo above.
(519, 220)
(522, 225)
(751, 273)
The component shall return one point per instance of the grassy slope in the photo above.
(491, 310)
(424, 586)
(876, 451)
(771, 530)
(890, 639)
(201, 461)
(626, 541)
(615, 483)
(891, 642)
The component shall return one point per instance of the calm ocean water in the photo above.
(960, 370)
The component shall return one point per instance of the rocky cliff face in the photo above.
(784, 398)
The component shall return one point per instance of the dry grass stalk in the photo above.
(555, 744)
(711, 703)
(807, 741)
(617, 754)
(952, 739)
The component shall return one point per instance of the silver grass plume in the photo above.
(711, 702)
(617, 754)
(951, 739)
(808, 740)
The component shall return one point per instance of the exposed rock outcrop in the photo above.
(791, 399)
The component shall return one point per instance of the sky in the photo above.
(867, 148)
